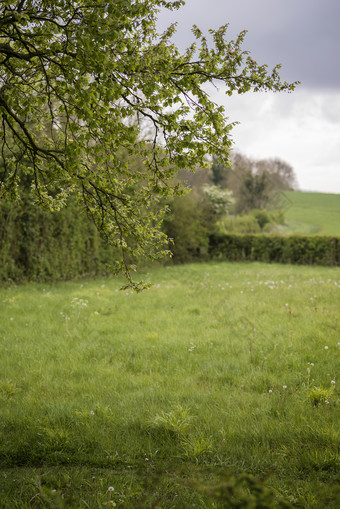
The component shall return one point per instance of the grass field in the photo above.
(168, 398)
(312, 213)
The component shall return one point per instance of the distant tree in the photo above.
(194, 179)
(241, 166)
(219, 172)
(216, 204)
(258, 184)
(254, 193)
(280, 173)
(83, 81)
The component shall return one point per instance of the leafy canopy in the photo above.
(94, 102)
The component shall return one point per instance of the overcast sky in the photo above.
(302, 128)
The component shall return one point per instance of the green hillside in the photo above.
(312, 213)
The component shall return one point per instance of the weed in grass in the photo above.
(176, 421)
(319, 395)
(196, 448)
(8, 389)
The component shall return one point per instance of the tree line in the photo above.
(246, 196)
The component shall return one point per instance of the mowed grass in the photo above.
(312, 213)
(164, 398)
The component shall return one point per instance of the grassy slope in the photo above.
(213, 370)
(313, 213)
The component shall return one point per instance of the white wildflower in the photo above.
(326, 347)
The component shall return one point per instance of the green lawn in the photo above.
(166, 398)
(312, 213)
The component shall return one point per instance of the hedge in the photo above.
(37, 245)
(295, 249)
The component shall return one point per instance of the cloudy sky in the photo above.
(302, 128)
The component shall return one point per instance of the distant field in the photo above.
(312, 213)
(163, 399)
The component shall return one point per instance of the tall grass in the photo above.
(165, 398)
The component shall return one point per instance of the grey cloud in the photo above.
(302, 35)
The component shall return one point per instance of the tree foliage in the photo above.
(217, 202)
(85, 83)
(281, 173)
(257, 184)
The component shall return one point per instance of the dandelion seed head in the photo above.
(326, 347)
